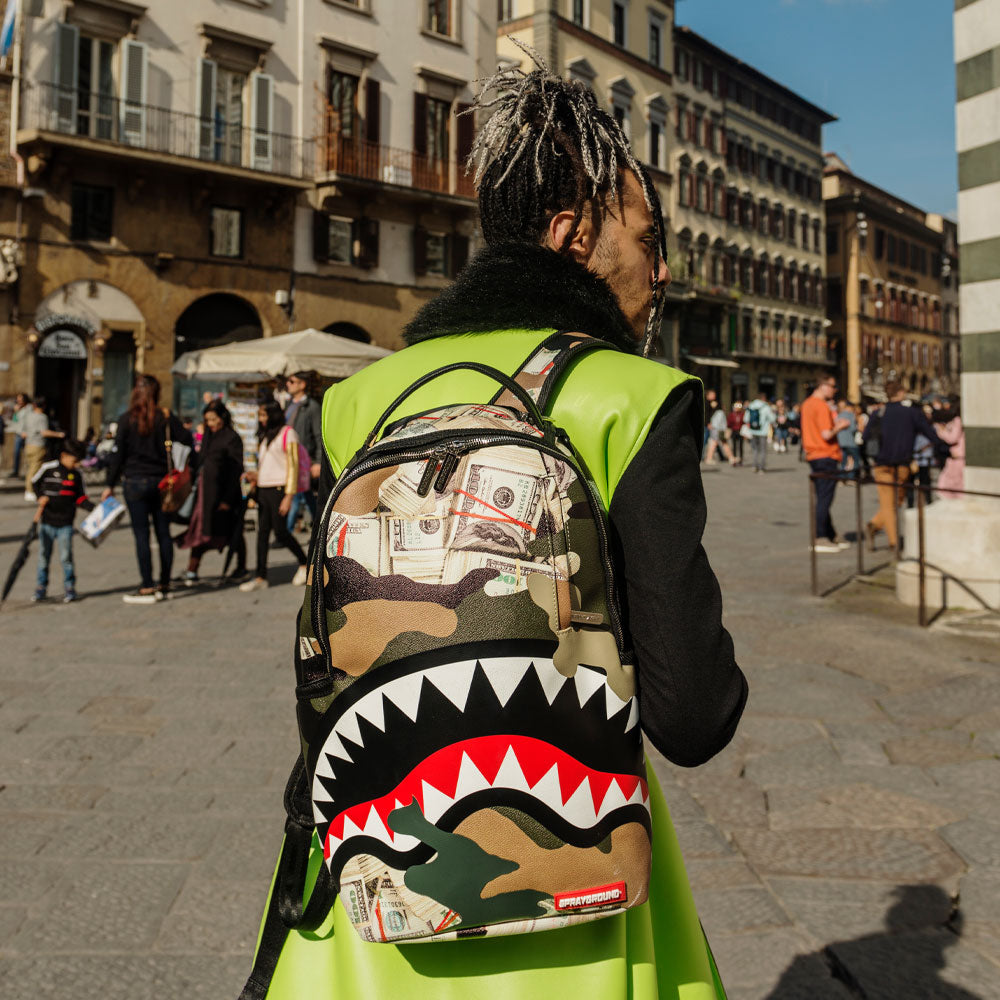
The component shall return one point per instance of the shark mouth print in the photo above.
(457, 737)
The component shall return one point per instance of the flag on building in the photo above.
(7, 30)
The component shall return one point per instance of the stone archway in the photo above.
(349, 331)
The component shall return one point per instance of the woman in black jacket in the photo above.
(140, 455)
(218, 508)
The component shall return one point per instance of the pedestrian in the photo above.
(717, 430)
(37, 433)
(275, 484)
(850, 452)
(920, 467)
(140, 456)
(781, 426)
(217, 516)
(897, 430)
(948, 424)
(819, 440)
(795, 425)
(22, 407)
(760, 419)
(573, 241)
(60, 491)
(303, 413)
(735, 424)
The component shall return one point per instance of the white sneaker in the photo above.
(301, 575)
(254, 584)
(826, 547)
(136, 597)
(30, 497)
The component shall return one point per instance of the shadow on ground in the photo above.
(904, 961)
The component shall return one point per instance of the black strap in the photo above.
(285, 910)
(568, 347)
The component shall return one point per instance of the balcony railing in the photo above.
(106, 118)
(371, 161)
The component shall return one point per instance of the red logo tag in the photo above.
(603, 895)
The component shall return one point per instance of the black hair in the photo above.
(73, 447)
(550, 147)
(275, 421)
(39, 402)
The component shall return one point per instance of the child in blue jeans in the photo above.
(59, 488)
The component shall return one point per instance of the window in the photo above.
(696, 73)
(437, 254)
(438, 113)
(95, 102)
(227, 116)
(682, 190)
(778, 223)
(339, 242)
(578, 12)
(791, 226)
(342, 99)
(832, 239)
(505, 10)
(699, 131)
(718, 201)
(763, 215)
(439, 17)
(879, 243)
(655, 40)
(816, 242)
(226, 232)
(805, 232)
(681, 61)
(655, 133)
(618, 23)
(90, 213)
(904, 253)
(891, 249)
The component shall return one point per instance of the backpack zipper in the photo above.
(452, 452)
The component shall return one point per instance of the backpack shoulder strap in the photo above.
(540, 372)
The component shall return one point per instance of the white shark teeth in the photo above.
(614, 798)
(470, 778)
(579, 807)
(587, 683)
(454, 681)
(633, 715)
(510, 774)
(374, 827)
(347, 726)
(548, 789)
(612, 703)
(404, 693)
(372, 708)
(551, 680)
(436, 802)
(504, 674)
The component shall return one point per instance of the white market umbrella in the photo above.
(272, 357)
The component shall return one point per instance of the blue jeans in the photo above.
(47, 536)
(18, 448)
(825, 490)
(308, 498)
(142, 497)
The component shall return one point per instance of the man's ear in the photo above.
(581, 246)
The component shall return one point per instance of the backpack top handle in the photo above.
(530, 408)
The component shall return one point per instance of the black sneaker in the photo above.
(69, 597)
(38, 596)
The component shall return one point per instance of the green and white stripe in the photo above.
(977, 69)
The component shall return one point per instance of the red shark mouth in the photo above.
(579, 795)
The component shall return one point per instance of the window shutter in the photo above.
(373, 110)
(66, 69)
(262, 98)
(419, 250)
(465, 133)
(459, 253)
(365, 239)
(321, 236)
(420, 124)
(206, 109)
(133, 107)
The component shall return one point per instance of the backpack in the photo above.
(472, 763)
(753, 418)
(304, 481)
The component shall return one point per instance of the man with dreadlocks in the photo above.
(574, 242)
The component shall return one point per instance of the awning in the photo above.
(716, 362)
(272, 357)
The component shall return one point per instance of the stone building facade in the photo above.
(893, 271)
(747, 216)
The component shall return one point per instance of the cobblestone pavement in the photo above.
(847, 844)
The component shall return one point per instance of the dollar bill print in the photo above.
(478, 416)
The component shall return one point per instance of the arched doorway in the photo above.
(211, 321)
(349, 331)
(60, 371)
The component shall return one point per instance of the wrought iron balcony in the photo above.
(349, 156)
(103, 118)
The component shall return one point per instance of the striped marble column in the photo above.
(977, 65)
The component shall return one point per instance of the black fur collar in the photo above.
(516, 286)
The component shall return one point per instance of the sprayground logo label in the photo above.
(604, 895)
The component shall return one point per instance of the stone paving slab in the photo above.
(849, 828)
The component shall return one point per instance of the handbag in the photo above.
(175, 486)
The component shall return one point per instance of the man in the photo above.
(819, 441)
(303, 415)
(760, 419)
(848, 446)
(35, 431)
(896, 432)
(574, 241)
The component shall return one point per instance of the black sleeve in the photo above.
(691, 691)
(315, 415)
(926, 428)
(179, 433)
(82, 500)
(118, 453)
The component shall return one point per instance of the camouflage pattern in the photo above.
(476, 757)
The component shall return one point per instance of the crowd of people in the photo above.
(897, 444)
(150, 449)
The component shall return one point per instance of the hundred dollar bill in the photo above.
(361, 539)
(511, 574)
(417, 547)
(399, 492)
(497, 510)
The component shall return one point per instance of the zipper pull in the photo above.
(448, 465)
(424, 486)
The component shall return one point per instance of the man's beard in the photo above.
(607, 264)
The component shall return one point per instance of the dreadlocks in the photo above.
(548, 146)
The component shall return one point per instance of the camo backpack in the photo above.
(471, 758)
